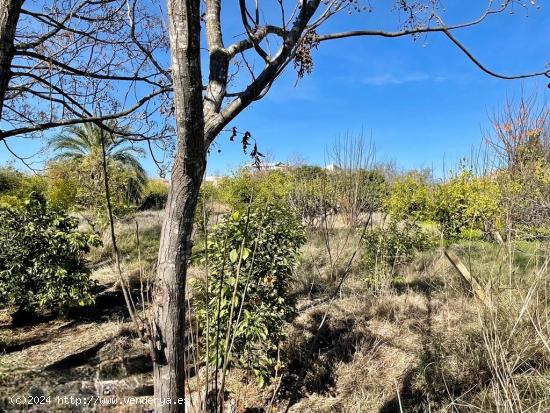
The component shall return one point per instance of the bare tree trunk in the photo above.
(9, 16)
(187, 174)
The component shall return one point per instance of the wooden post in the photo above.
(475, 285)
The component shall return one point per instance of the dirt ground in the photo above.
(377, 353)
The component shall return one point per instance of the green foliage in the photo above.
(390, 247)
(309, 190)
(466, 202)
(15, 186)
(356, 191)
(76, 174)
(10, 180)
(471, 234)
(463, 207)
(309, 173)
(208, 195)
(155, 194)
(63, 185)
(11, 183)
(349, 192)
(533, 233)
(409, 198)
(250, 258)
(42, 263)
(272, 187)
(78, 143)
(79, 185)
(374, 189)
(525, 188)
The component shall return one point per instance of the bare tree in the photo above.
(520, 139)
(61, 60)
(354, 159)
(202, 112)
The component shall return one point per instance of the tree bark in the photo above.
(169, 304)
(9, 16)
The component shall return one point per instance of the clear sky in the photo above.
(422, 101)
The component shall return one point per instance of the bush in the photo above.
(63, 186)
(205, 207)
(79, 185)
(466, 202)
(155, 195)
(260, 187)
(315, 191)
(310, 195)
(15, 186)
(42, 262)
(389, 248)
(309, 173)
(374, 188)
(357, 191)
(10, 180)
(251, 258)
(409, 198)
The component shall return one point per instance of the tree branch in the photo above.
(89, 119)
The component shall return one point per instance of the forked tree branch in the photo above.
(85, 119)
(301, 27)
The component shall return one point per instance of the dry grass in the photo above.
(421, 344)
(150, 223)
(430, 341)
(63, 343)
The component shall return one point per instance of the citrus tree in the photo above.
(409, 198)
(250, 258)
(42, 262)
(466, 202)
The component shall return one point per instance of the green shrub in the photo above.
(387, 249)
(206, 207)
(314, 191)
(471, 234)
(261, 187)
(155, 195)
(356, 191)
(309, 173)
(251, 258)
(11, 180)
(63, 186)
(309, 197)
(374, 189)
(15, 185)
(525, 196)
(532, 233)
(42, 263)
(466, 202)
(79, 186)
(409, 198)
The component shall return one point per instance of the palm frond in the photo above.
(130, 161)
(66, 142)
(79, 142)
(68, 156)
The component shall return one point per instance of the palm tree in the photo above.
(81, 143)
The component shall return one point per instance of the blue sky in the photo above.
(422, 101)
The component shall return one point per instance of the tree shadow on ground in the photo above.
(108, 303)
(410, 398)
(426, 387)
(419, 285)
(311, 362)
